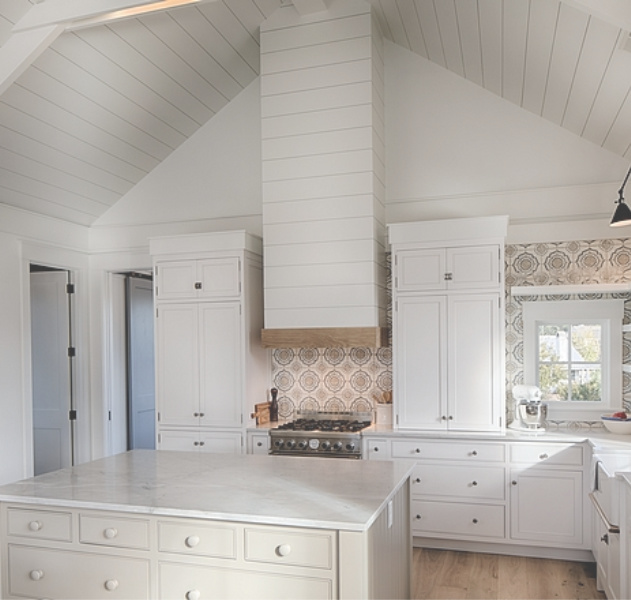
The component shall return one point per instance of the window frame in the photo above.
(608, 313)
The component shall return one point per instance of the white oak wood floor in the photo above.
(446, 574)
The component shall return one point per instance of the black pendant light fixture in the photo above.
(622, 214)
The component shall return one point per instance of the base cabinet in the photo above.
(200, 440)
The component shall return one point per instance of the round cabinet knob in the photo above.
(36, 574)
(375, 449)
(417, 480)
(201, 414)
(283, 550)
(514, 482)
(193, 595)
(474, 453)
(259, 444)
(202, 443)
(192, 540)
(475, 521)
(111, 584)
(417, 450)
(418, 517)
(195, 443)
(543, 456)
(474, 483)
(196, 414)
(35, 525)
(110, 533)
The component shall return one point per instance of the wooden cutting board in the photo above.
(261, 413)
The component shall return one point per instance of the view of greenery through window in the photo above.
(570, 362)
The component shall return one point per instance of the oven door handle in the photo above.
(611, 528)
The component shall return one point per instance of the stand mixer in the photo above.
(530, 411)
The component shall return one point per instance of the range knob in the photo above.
(290, 443)
(325, 445)
(350, 446)
(279, 443)
(302, 444)
(337, 446)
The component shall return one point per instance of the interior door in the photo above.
(51, 371)
(140, 352)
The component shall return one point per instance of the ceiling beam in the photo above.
(614, 12)
(21, 49)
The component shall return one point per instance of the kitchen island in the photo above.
(158, 524)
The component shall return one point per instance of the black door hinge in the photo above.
(70, 288)
(72, 352)
(72, 415)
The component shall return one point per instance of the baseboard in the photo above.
(576, 554)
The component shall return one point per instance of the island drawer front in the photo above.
(193, 538)
(118, 532)
(190, 581)
(484, 483)
(48, 573)
(457, 519)
(304, 548)
(40, 524)
(433, 450)
(566, 455)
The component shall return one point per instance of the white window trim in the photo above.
(609, 314)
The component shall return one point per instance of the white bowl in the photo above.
(614, 425)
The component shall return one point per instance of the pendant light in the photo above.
(622, 214)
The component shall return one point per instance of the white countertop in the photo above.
(277, 490)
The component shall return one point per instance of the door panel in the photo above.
(50, 335)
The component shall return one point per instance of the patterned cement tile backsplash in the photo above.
(341, 379)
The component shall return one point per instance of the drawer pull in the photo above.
(283, 550)
(193, 595)
(543, 456)
(475, 521)
(474, 453)
(198, 285)
(514, 482)
(417, 450)
(36, 574)
(201, 414)
(375, 449)
(35, 525)
(110, 533)
(195, 443)
(417, 480)
(191, 541)
(111, 584)
(259, 444)
(474, 483)
(196, 414)
(418, 517)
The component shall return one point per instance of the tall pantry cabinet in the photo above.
(210, 366)
(448, 323)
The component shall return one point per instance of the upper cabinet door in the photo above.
(198, 279)
(420, 270)
(436, 269)
(473, 267)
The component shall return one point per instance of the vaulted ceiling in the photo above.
(91, 102)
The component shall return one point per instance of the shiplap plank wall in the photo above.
(323, 168)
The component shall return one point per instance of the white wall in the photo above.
(456, 150)
(28, 238)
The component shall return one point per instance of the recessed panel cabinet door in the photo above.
(420, 360)
(220, 364)
(474, 362)
(177, 368)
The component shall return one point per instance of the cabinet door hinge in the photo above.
(70, 288)
(156, 312)
(109, 415)
(158, 417)
(72, 352)
(72, 415)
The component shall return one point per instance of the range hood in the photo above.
(323, 177)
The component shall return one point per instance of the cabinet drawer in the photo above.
(305, 548)
(548, 454)
(48, 573)
(40, 524)
(473, 482)
(118, 532)
(457, 519)
(190, 581)
(377, 449)
(193, 538)
(465, 451)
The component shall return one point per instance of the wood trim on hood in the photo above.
(326, 337)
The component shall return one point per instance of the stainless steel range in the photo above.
(336, 435)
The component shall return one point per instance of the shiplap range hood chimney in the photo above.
(322, 109)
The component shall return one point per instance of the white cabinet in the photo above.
(199, 364)
(448, 324)
(258, 442)
(464, 268)
(447, 361)
(199, 279)
(547, 495)
(211, 368)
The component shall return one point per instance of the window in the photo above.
(572, 351)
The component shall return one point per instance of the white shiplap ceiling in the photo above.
(103, 105)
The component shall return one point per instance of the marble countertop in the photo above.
(276, 490)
